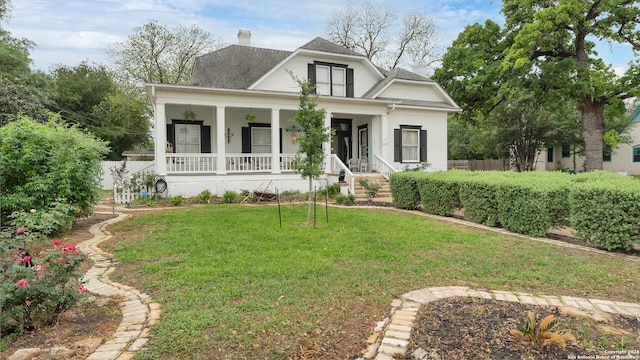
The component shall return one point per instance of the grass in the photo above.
(233, 284)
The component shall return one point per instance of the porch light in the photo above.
(229, 135)
(294, 138)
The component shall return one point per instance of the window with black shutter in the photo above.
(409, 144)
(331, 79)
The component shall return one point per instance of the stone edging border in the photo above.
(138, 312)
(396, 329)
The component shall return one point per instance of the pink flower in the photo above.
(68, 248)
(57, 242)
(26, 259)
(58, 260)
(23, 283)
(20, 230)
(82, 289)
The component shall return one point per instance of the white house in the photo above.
(231, 128)
(624, 159)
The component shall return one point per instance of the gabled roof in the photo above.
(394, 74)
(235, 66)
(320, 44)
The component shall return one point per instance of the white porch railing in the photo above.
(383, 167)
(337, 165)
(191, 163)
(251, 163)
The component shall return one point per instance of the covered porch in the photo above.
(231, 135)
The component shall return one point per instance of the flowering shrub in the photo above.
(370, 188)
(34, 292)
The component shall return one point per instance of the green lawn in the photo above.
(233, 284)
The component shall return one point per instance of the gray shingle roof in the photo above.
(235, 66)
(320, 44)
(396, 73)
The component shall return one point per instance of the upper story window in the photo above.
(331, 79)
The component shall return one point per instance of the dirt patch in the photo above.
(471, 328)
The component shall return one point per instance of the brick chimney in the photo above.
(244, 37)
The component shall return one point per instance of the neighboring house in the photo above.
(231, 128)
(624, 159)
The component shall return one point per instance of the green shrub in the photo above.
(346, 199)
(204, 196)
(230, 196)
(333, 190)
(36, 296)
(605, 210)
(371, 188)
(42, 165)
(478, 199)
(176, 200)
(439, 193)
(404, 190)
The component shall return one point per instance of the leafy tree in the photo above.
(310, 156)
(157, 54)
(558, 34)
(51, 168)
(124, 122)
(16, 100)
(88, 96)
(371, 30)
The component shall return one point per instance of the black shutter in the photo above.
(205, 139)
(171, 135)
(311, 72)
(397, 145)
(280, 140)
(423, 145)
(350, 83)
(246, 140)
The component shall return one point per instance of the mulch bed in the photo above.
(472, 328)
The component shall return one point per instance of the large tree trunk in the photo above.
(592, 133)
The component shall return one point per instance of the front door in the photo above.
(341, 140)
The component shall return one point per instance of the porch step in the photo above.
(384, 192)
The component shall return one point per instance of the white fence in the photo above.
(132, 166)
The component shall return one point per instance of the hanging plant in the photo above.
(189, 115)
(250, 117)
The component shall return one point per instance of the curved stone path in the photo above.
(392, 335)
(138, 312)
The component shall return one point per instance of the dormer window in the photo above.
(331, 79)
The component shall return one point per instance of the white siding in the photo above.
(414, 91)
(364, 77)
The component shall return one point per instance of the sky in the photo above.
(67, 32)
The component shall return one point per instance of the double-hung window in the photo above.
(187, 138)
(331, 79)
(410, 145)
(260, 139)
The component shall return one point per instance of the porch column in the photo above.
(275, 141)
(384, 135)
(327, 145)
(160, 122)
(221, 164)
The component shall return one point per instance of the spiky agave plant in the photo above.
(543, 334)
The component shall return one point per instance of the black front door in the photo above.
(341, 140)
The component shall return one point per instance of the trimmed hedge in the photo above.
(439, 192)
(478, 199)
(605, 210)
(602, 207)
(404, 189)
